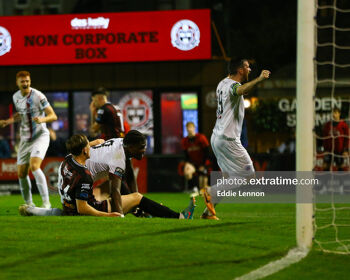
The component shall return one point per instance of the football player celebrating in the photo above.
(33, 112)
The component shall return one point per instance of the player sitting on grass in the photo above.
(75, 189)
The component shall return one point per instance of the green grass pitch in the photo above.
(247, 237)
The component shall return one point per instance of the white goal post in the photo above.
(305, 115)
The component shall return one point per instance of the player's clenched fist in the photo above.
(3, 123)
(265, 74)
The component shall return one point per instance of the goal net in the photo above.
(331, 133)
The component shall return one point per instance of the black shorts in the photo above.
(100, 205)
(70, 210)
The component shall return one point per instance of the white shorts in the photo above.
(35, 148)
(231, 156)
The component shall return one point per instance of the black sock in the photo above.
(156, 209)
(194, 182)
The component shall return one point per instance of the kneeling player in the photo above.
(75, 189)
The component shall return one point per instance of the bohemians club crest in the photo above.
(137, 110)
(185, 35)
(5, 41)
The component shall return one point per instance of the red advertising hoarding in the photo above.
(107, 37)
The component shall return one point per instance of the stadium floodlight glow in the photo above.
(247, 103)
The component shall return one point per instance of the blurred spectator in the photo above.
(5, 151)
(336, 143)
(197, 164)
(81, 121)
(57, 147)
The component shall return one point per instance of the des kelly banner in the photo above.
(105, 37)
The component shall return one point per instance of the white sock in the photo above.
(36, 211)
(41, 184)
(26, 189)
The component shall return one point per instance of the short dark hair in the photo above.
(100, 90)
(76, 144)
(234, 64)
(134, 137)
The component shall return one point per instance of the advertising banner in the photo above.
(105, 37)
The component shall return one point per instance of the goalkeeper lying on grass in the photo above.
(75, 188)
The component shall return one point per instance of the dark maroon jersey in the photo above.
(337, 137)
(111, 120)
(74, 182)
(196, 149)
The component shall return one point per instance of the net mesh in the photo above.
(332, 84)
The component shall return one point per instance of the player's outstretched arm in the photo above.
(13, 119)
(4, 123)
(244, 89)
(85, 209)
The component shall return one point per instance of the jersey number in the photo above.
(105, 144)
(220, 109)
(63, 192)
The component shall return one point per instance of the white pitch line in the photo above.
(293, 256)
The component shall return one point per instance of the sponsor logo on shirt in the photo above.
(85, 186)
(43, 102)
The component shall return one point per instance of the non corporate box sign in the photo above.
(107, 37)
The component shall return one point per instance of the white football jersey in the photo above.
(108, 157)
(28, 107)
(230, 109)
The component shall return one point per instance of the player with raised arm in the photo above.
(76, 191)
(33, 112)
(231, 156)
